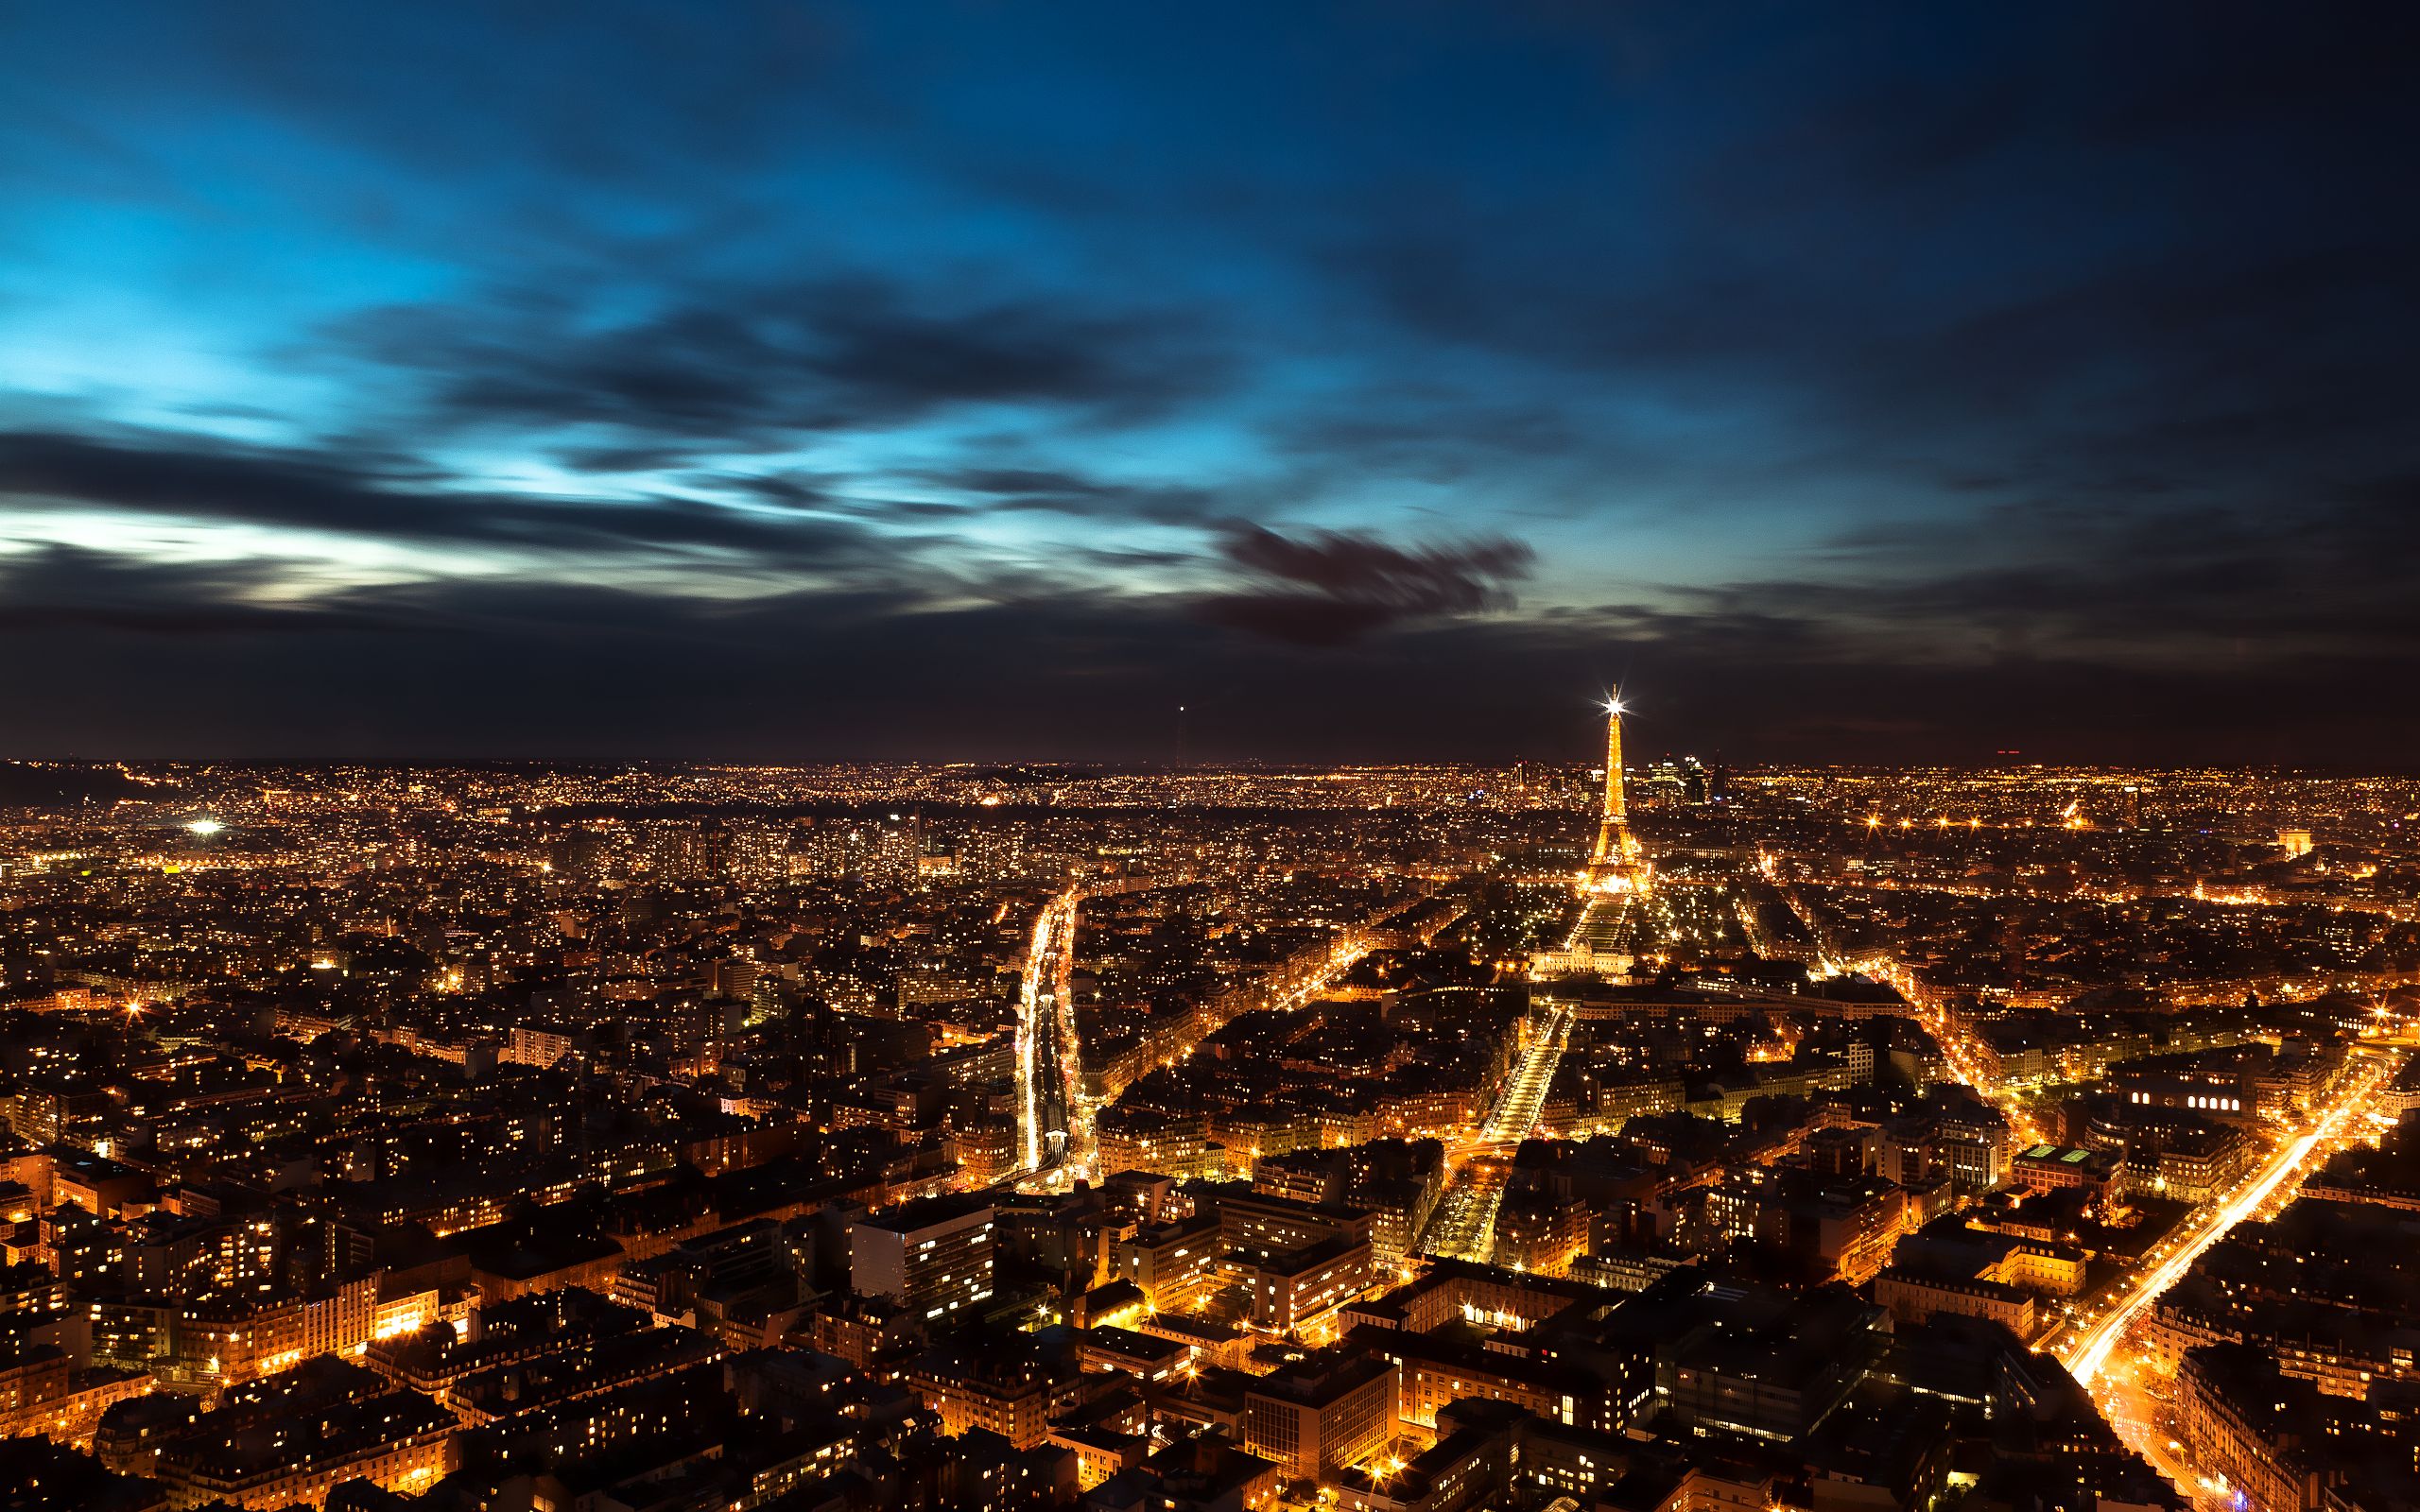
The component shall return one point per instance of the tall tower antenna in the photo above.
(1617, 805)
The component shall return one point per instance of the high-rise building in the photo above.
(1694, 789)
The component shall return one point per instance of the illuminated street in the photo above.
(1462, 1227)
(2086, 1350)
(1525, 1091)
(1051, 1112)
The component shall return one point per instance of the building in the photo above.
(1327, 1411)
(1256, 1224)
(1914, 1297)
(1007, 1392)
(2240, 1418)
(2051, 1168)
(1171, 1262)
(1539, 1231)
(398, 1440)
(1757, 1367)
(223, 1339)
(41, 1392)
(2220, 1085)
(934, 1255)
(1470, 1463)
(1299, 1287)
(1438, 1371)
(2195, 1165)
(1846, 1225)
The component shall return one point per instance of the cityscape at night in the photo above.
(845, 755)
(1646, 1136)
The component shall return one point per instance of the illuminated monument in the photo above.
(1617, 865)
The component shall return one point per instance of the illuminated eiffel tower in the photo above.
(1617, 865)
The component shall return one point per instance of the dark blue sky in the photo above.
(985, 381)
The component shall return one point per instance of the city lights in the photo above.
(1288, 1046)
(772, 759)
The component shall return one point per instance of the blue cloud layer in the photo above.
(2061, 352)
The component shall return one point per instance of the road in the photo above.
(1963, 1057)
(1524, 1092)
(2139, 1418)
(1050, 1111)
(2086, 1352)
(1055, 1129)
(1463, 1225)
(2125, 1389)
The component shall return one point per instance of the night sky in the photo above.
(985, 382)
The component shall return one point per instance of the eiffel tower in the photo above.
(1617, 865)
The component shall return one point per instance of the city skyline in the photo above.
(1404, 1138)
(950, 756)
(851, 382)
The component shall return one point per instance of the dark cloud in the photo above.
(1331, 587)
(628, 457)
(2092, 252)
(60, 588)
(1057, 490)
(2230, 68)
(479, 668)
(1439, 437)
(187, 478)
(755, 365)
(2166, 581)
(2230, 377)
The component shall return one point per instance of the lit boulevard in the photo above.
(1463, 1225)
(2087, 1351)
(1051, 1115)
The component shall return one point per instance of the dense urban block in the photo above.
(1655, 1139)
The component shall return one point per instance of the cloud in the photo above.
(1059, 491)
(1439, 436)
(2166, 581)
(61, 588)
(758, 366)
(190, 479)
(2048, 247)
(2075, 340)
(480, 668)
(1330, 587)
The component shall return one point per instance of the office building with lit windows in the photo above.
(933, 1255)
(1329, 1410)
